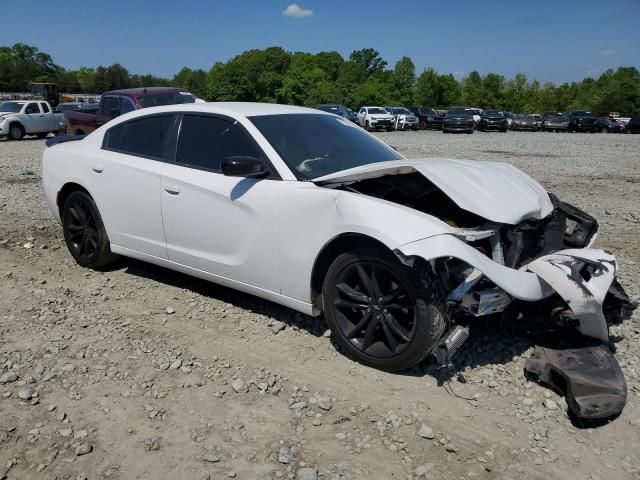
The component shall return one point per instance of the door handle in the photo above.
(172, 189)
(97, 168)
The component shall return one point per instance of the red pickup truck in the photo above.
(117, 102)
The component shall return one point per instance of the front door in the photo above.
(226, 226)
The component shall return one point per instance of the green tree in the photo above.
(471, 90)
(21, 64)
(370, 59)
(86, 77)
(192, 80)
(404, 77)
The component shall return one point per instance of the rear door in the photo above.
(226, 226)
(126, 182)
(50, 123)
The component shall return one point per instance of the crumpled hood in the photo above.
(494, 190)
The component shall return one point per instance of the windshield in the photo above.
(460, 113)
(13, 107)
(65, 107)
(581, 113)
(523, 117)
(427, 111)
(377, 110)
(313, 145)
(401, 111)
(493, 113)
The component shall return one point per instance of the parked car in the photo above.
(458, 120)
(477, 115)
(27, 117)
(581, 121)
(373, 118)
(538, 118)
(524, 122)
(352, 116)
(117, 102)
(607, 125)
(428, 118)
(299, 207)
(72, 106)
(509, 117)
(335, 108)
(633, 125)
(403, 117)
(493, 120)
(554, 122)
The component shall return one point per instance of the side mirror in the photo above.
(244, 166)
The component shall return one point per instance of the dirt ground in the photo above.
(137, 372)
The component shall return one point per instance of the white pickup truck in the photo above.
(27, 117)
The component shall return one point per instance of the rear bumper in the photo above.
(562, 272)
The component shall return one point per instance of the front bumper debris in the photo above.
(589, 377)
(582, 278)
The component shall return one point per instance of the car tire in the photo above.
(84, 232)
(367, 126)
(42, 135)
(604, 130)
(423, 125)
(412, 316)
(16, 132)
(390, 129)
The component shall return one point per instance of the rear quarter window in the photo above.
(147, 136)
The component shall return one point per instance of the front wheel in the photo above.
(84, 232)
(16, 132)
(381, 313)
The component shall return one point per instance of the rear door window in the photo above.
(45, 107)
(204, 141)
(147, 137)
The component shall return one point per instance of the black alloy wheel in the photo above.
(379, 311)
(84, 232)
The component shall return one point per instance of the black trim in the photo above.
(171, 146)
(165, 152)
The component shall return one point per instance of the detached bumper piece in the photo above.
(588, 376)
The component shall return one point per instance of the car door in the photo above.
(33, 118)
(109, 109)
(125, 181)
(50, 124)
(361, 114)
(225, 226)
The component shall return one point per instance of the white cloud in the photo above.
(608, 52)
(296, 11)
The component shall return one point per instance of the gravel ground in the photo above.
(139, 372)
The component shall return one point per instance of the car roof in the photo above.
(144, 91)
(242, 109)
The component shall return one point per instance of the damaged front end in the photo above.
(514, 249)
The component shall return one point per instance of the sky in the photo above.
(554, 41)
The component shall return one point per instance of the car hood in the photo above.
(6, 114)
(496, 191)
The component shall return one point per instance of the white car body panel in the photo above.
(494, 190)
(264, 236)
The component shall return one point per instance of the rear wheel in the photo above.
(16, 132)
(604, 130)
(84, 232)
(381, 313)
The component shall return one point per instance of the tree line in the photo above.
(365, 78)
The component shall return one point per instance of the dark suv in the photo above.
(493, 120)
(428, 117)
(634, 125)
(581, 121)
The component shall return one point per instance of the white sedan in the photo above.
(305, 209)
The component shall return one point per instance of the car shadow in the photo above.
(313, 325)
